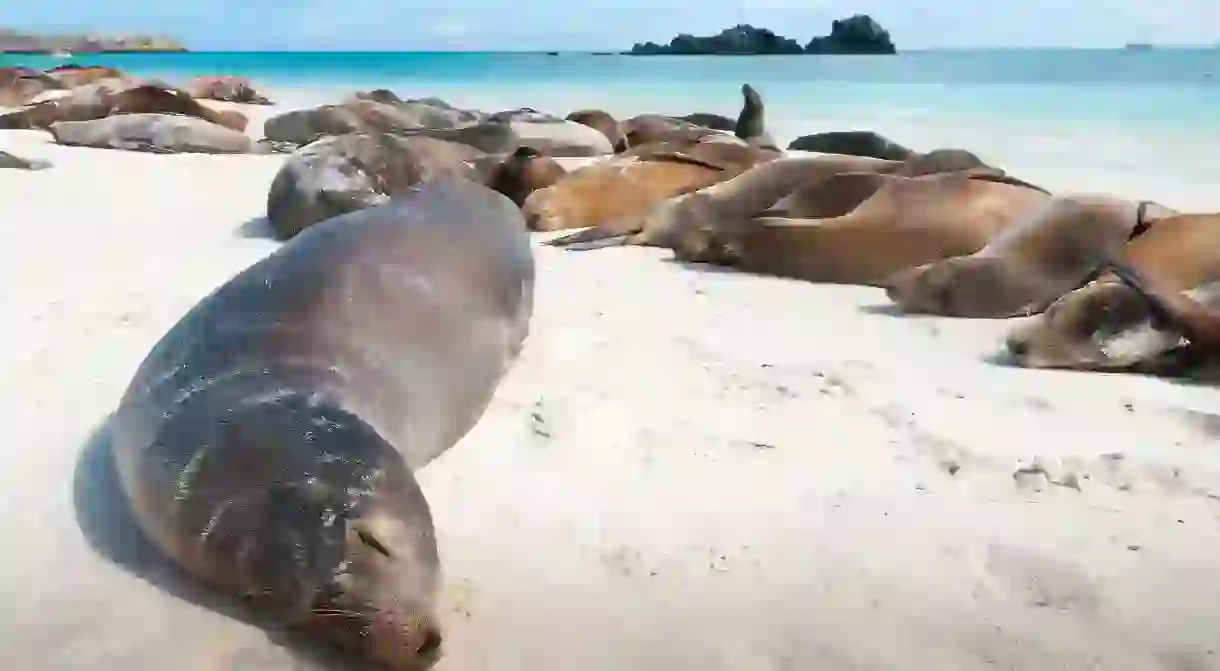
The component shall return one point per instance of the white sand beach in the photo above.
(687, 469)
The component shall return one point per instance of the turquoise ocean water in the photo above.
(1166, 86)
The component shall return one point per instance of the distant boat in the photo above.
(62, 53)
(1138, 46)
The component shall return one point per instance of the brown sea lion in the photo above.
(267, 443)
(615, 193)
(601, 121)
(1028, 266)
(651, 128)
(764, 186)
(1083, 328)
(112, 97)
(871, 226)
(524, 172)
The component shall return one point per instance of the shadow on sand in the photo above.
(106, 521)
(257, 228)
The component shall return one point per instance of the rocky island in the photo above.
(13, 41)
(856, 34)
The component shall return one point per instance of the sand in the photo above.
(687, 469)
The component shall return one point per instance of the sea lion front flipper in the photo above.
(1173, 311)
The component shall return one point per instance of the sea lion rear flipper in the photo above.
(589, 238)
(997, 175)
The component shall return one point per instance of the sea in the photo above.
(1114, 107)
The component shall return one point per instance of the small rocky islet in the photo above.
(858, 34)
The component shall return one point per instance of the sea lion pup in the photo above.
(1027, 267)
(1085, 328)
(523, 172)
(612, 194)
(872, 226)
(601, 121)
(267, 443)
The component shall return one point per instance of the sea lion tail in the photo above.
(589, 238)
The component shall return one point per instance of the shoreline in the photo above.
(687, 469)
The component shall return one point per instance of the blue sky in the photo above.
(607, 24)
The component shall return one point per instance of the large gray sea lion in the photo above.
(267, 443)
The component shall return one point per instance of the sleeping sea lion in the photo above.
(601, 121)
(1085, 328)
(767, 185)
(870, 226)
(614, 193)
(1028, 266)
(268, 441)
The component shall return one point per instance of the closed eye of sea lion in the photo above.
(267, 443)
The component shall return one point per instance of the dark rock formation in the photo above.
(742, 39)
(857, 34)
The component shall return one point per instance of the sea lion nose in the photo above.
(1017, 347)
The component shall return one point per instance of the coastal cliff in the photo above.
(856, 34)
(13, 41)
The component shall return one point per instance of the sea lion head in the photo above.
(1103, 325)
(346, 555)
(963, 286)
(751, 96)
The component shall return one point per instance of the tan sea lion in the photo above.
(769, 185)
(267, 443)
(601, 121)
(871, 227)
(1028, 266)
(615, 193)
(523, 172)
(1104, 324)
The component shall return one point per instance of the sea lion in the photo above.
(751, 124)
(1085, 328)
(524, 172)
(344, 173)
(1028, 266)
(601, 121)
(855, 142)
(111, 97)
(765, 185)
(711, 120)
(872, 226)
(267, 443)
(612, 194)
(650, 128)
